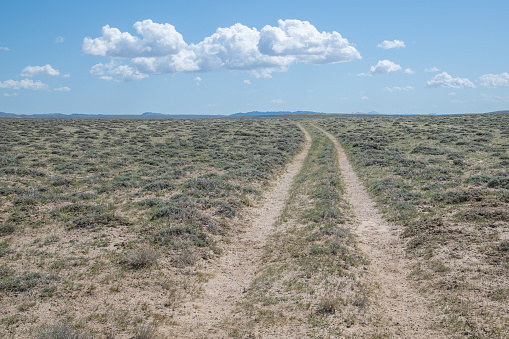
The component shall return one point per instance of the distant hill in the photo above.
(148, 115)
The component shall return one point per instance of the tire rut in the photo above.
(233, 272)
(405, 308)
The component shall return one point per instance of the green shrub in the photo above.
(99, 219)
(6, 229)
(498, 182)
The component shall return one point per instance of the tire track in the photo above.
(236, 268)
(405, 308)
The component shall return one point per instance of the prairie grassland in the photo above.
(312, 280)
(104, 222)
(444, 182)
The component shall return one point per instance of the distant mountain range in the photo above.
(152, 115)
(146, 115)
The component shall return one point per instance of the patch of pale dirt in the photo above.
(231, 275)
(406, 309)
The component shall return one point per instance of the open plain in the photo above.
(330, 227)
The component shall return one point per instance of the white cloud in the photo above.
(494, 98)
(386, 44)
(106, 77)
(446, 81)
(431, 70)
(247, 82)
(452, 93)
(105, 71)
(408, 71)
(161, 49)
(343, 98)
(24, 84)
(66, 75)
(31, 71)
(383, 67)
(197, 81)
(10, 94)
(494, 80)
(277, 101)
(365, 97)
(457, 101)
(4, 48)
(62, 89)
(302, 41)
(158, 40)
(397, 88)
(59, 39)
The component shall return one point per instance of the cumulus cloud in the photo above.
(59, 39)
(62, 89)
(397, 88)
(157, 40)
(197, 81)
(32, 71)
(408, 71)
(386, 44)
(105, 71)
(160, 49)
(247, 82)
(446, 81)
(302, 41)
(24, 84)
(383, 67)
(277, 101)
(4, 48)
(494, 80)
(365, 97)
(431, 70)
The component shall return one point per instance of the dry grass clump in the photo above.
(185, 258)
(140, 257)
(61, 331)
(146, 332)
(330, 303)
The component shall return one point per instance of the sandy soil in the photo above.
(409, 317)
(234, 271)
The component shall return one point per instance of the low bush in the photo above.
(99, 219)
(179, 236)
(61, 331)
(6, 229)
(140, 258)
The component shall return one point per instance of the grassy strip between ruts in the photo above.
(312, 280)
(443, 180)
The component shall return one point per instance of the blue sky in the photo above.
(222, 57)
